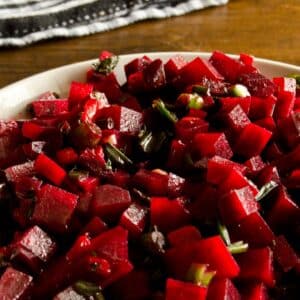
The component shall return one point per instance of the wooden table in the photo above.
(264, 28)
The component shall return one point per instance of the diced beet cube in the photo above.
(153, 183)
(267, 123)
(134, 219)
(48, 168)
(54, 207)
(176, 154)
(261, 108)
(184, 235)
(210, 144)
(284, 105)
(110, 201)
(285, 212)
(236, 180)
(168, 214)
(34, 248)
(267, 174)
(94, 227)
(154, 75)
(226, 65)
(173, 65)
(218, 168)
(294, 179)
(69, 294)
(204, 208)
(257, 84)
(237, 119)
(121, 118)
(16, 173)
(222, 289)
(254, 165)
(286, 84)
(254, 230)
(79, 92)
(195, 70)
(33, 149)
(229, 103)
(136, 83)
(92, 106)
(187, 127)
(176, 185)
(26, 187)
(14, 284)
(252, 140)
(284, 254)
(50, 108)
(237, 204)
(291, 124)
(80, 247)
(255, 291)
(67, 156)
(273, 152)
(257, 264)
(120, 178)
(179, 290)
(93, 160)
(83, 203)
(211, 251)
(246, 59)
(138, 64)
(289, 161)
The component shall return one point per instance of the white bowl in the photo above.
(15, 97)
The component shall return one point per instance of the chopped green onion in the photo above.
(117, 156)
(238, 247)
(265, 190)
(239, 90)
(106, 65)
(141, 196)
(296, 76)
(200, 90)
(224, 233)
(199, 275)
(152, 142)
(160, 106)
(87, 289)
(76, 174)
(195, 102)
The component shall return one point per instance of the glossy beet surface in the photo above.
(182, 183)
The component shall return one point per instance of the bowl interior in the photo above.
(15, 97)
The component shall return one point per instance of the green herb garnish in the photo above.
(201, 90)
(238, 247)
(88, 289)
(224, 233)
(161, 107)
(106, 65)
(199, 275)
(151, 142)
(265, 190)
(116, 156)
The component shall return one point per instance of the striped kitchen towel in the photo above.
(24, 22)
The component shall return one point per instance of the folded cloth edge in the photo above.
(96, 27)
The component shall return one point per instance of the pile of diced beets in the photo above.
(182, 183)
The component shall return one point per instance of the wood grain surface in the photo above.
(264, 28)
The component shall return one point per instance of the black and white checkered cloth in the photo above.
(27, 21)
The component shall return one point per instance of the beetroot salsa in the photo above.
(181, 184)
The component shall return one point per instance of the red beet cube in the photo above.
(187, 127)
(254, 165)
(121, 118)
(254, 230)
(17, 172)
(67, 156)
(134, 219)
(222, 289)
(210, 144)
(14, 284)
(284, 105)
(110, 201)
(120, 178)
(154, 75)
(237, 204)
(257, 265)
(252, 140)
(34, 248)
(69, 294)
(54, 207)
(218, 168)
(237, 119)
(176, 185)
(33, 149)
(261, 108)
(179, 290)
(286, 84)
(284, 254)
(136, 65)
(229, 103)
(93, 159)
(267, 174)
(48, 168)
(294, 179)
(168, 214)
(94, 227)
(25, 186)
(50, 108)
(211, 251)
(176, 154)
(173, 65)
(184, 235)
(79, 92)
(255, 291)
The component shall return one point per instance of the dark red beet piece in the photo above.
(173, 65)
(16, 172)
(257, 264)
(184, 235)
(154, 75)
(33, 149)
(50, 108)
(79, 92)
(229, 103)
(168, 214)
(14, 284)
(236, 205)
(110, 201)
(176, 185)
(54, 208)
(262, 108)
(69, 294)
(254, 165)
(222, 289)
(176, 154)
(179, 290)
(93, 160)
(94, 227)
(34, 248)
(237, 119)
(67, 156)
(255, 291)
(136, 65)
